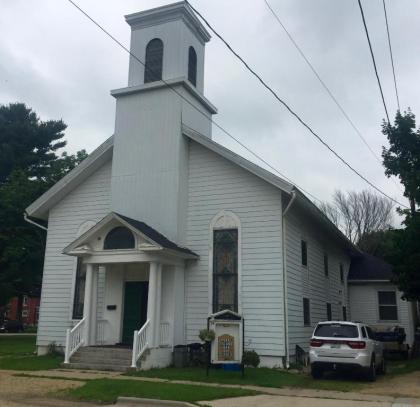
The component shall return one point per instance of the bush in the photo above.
(251, 358)
(207, 335)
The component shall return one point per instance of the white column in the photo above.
(158, 304)
(93, 313)
(87, 305)
(151, 302)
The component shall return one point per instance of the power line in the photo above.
(190, 103)
(391, 55)
(373, 59)
(291, 111)
(327, 89)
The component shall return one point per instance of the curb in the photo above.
(134, 401)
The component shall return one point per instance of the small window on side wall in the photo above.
(326, 264)
(329, 312)
(192, 66)
(119, 238)
(154, 61)
(344, 313)
(387, 301)
(304, 252)
(341, 272)
(306, 312)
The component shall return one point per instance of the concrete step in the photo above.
(96, 366)
(98, 361)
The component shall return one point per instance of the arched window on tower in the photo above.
(119, 238)
(154, 61)
(192, 66)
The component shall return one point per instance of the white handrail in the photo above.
(140, 343)
(165, 339)
(75, 338)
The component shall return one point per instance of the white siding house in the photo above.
(161, 227)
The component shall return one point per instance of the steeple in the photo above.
(173, 39)
(150, 155)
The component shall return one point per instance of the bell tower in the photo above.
(150, 158)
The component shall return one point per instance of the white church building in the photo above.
(161, 226)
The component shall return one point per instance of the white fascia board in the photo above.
(173, 83)
(238, 160)
(39, 208)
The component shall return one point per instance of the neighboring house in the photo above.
(161, 226)
(375, 299)
(30, 310)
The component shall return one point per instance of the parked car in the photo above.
(343, 345)
(12, 327)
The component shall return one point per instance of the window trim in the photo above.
(224, 220)
(146, 72)
(387, 305)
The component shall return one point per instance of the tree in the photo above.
(29, 165)
(402, 159)
(359, 214)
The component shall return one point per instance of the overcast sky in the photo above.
(58, 63)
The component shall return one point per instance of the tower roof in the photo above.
(170, 12)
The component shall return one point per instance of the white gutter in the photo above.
(286, 313)
(25, 216)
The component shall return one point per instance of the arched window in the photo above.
(119, 238)
(154, 61)
(192, 66)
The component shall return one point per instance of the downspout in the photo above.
(286, 313)
(25, 216)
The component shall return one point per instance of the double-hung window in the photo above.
(387, 302)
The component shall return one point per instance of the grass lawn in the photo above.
(30, 362)
(17, 345)
(257, 377)
(397, 367)
(17, 353)
(108, 390)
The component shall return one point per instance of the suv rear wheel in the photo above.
(371, 373)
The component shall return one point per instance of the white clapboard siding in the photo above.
(365, 308)
(90, 201)
(216, 184)
(310, 281)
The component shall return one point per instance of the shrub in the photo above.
(251, 358)
(207, 335)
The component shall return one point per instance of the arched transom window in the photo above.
(154, 61)
(192, 66)
(119, 238)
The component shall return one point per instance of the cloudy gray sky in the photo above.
(57, 62)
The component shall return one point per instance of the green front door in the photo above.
(135, 309)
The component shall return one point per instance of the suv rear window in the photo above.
(337, 331)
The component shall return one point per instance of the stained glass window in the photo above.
(192, 66)
(119, 238)
(225, 270)
(154, 61)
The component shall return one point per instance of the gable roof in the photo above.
(141, 228)
(369, 268)
(39, 208)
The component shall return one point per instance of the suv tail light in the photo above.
(316, 343)
(357, 344)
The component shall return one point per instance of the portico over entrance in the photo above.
(131, 290)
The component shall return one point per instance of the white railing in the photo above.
(165, 332)
(101, 325)
(75, 338)
(140, 343)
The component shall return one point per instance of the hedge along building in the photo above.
(161, 226)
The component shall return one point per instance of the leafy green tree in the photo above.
(29, 165)
(402, 159)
